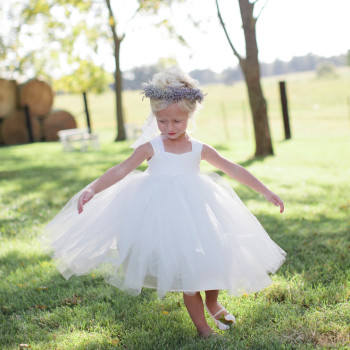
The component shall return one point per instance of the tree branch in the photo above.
(134, 15)
(227, 36)
(257, 17)
(112, 23)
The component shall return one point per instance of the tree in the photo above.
(15, 32)
(64, 23)
(143, 6)
(118, 82)
(326, 69)
(251, 71)
(87, 77)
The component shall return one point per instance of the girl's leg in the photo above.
(195, 308)
(211, 300)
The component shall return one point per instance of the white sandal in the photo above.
(225, 322)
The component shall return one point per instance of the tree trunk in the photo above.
(258, 107)
(121, 135)
(251, 71)
(118, 93)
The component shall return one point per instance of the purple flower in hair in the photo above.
(171, 94)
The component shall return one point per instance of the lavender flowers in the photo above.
(171, 94)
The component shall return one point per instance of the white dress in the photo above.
(170, 227)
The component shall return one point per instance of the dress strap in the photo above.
(196, 146)
(156, 144)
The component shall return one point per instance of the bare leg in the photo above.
(194, 305)
(211, 300)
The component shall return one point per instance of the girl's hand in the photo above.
(274, 199)
(83, 199)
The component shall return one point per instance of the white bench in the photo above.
(133, 131)
(71, 136)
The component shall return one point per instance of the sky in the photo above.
(285, 28)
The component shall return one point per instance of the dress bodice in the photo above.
(169, 163)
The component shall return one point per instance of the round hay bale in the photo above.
(14, 129)
(56, 121)
(8, 97)
(38, 95)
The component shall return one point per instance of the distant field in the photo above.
(317, 107)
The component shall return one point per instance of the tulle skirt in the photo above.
(172, 233)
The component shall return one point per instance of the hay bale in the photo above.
(14, 129)
(38, 95)
(8, 97)
(56, 121)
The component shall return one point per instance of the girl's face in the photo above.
(172, 121)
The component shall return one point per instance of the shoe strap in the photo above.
(219, 312)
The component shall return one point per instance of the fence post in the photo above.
(87, 112)
(28, 123)
(284, 104)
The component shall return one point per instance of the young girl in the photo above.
(170, 228)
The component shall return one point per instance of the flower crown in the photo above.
(171, 94)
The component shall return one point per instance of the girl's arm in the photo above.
(240, 174)
(116, 173)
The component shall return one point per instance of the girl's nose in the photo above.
(170, 126)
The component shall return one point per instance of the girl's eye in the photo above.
(177, 121)
(161, 121)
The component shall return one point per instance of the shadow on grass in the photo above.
(313, 251)
(253, 160)
(317, 245)
(84, 301)
(62, 175)
(84, 304)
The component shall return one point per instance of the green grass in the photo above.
(306, 307)
(317, 107)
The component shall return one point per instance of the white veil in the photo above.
(149, 131)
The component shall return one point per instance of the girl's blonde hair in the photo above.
(175, 78)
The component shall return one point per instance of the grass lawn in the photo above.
(307, 306)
